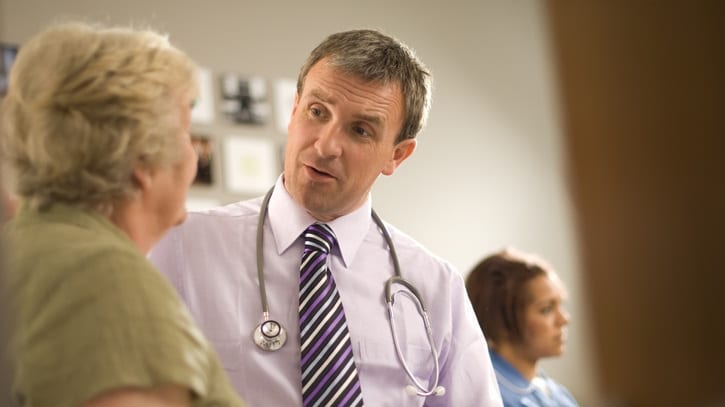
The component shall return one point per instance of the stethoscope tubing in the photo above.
(413, 293)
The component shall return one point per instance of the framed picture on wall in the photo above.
(7, 56)
(244, 100)
(284, 99)
(203, 145)
(203, 111)
(250, 164)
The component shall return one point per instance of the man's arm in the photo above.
(467, 374)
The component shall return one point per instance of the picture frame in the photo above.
(204, 146)
(250, 164)
(284, 99)
(203, 110)
(244, 99)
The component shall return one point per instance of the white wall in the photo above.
(489, 169)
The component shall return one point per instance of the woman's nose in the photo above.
(564, 316)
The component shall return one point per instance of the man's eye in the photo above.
(360, 131)
(316, 111)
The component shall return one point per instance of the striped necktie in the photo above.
(329, 375)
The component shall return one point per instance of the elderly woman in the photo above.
(518, 299)
(96, 130)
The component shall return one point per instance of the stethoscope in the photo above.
(270, 335)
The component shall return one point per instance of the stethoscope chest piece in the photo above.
(269, 335)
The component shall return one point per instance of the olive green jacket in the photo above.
(91, 314)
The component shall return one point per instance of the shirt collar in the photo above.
(289, 220)
(503, 367)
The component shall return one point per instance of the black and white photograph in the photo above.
(244, 99)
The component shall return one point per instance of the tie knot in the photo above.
(319, 236)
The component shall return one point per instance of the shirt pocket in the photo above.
(418, 357)
(381, 367)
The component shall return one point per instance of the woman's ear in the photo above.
(142, 177)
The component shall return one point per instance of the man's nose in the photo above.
(329, 140)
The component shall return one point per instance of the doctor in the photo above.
(313, 325)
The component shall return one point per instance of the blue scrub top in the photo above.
(516, 391)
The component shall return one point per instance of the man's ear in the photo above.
(402, 151)
(294, 109)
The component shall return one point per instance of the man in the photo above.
(362, 97)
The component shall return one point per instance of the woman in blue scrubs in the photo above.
(518, 301)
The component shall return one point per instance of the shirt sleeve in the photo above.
(114, 323)
(467, 373)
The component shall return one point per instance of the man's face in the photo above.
(341, 137)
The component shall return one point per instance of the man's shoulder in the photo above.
(207, 229)
(409, 249)
(232, 210)
(236, 212)
(405, 241)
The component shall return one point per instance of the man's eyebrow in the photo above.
(321, 95)
(376, 120)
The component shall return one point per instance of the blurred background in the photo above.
(586, 132)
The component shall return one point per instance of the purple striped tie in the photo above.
(329, 375)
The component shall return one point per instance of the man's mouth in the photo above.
(315, 172)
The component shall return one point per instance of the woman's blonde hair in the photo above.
(87, 103)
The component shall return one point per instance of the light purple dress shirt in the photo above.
(211, 260)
